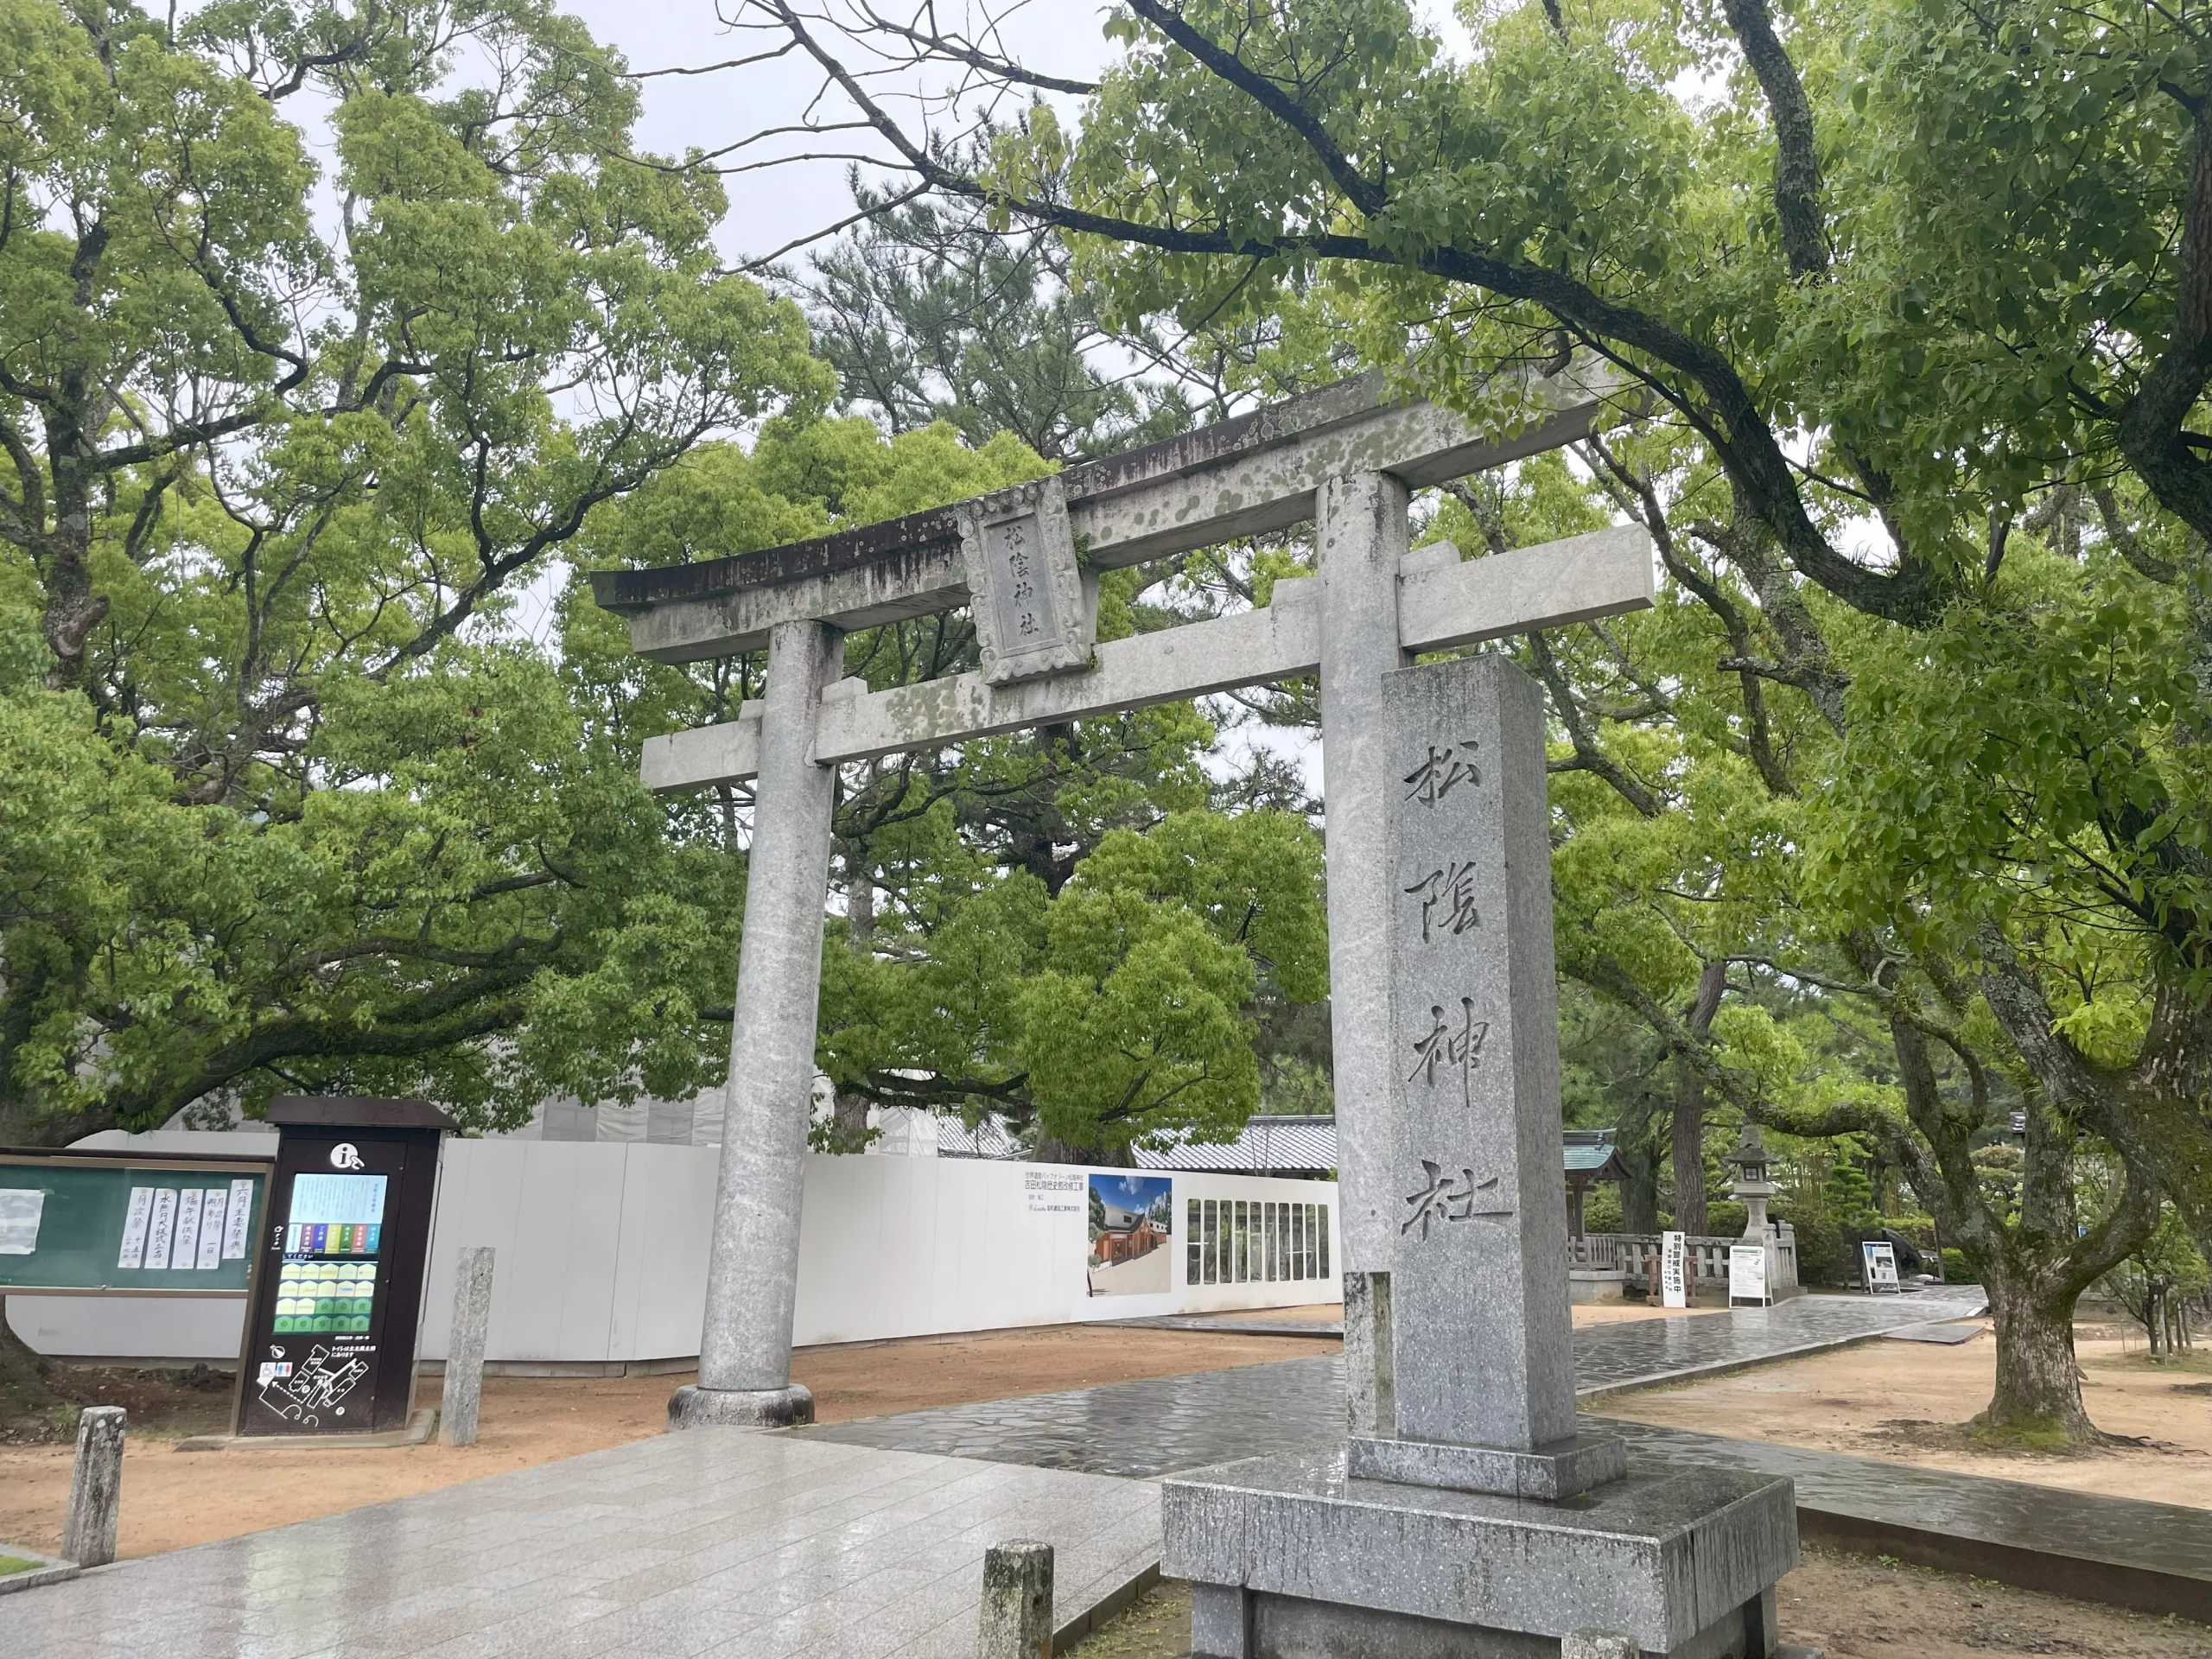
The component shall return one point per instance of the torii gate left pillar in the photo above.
(1345, 457)
(745, 1346)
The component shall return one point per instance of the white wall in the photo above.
(602, 1252)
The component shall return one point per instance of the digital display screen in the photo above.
(335, 1215)
(338, 1200)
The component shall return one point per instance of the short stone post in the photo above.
(472, 1322)
(1598, 1644)
(95, 1487)
(1017, 1616)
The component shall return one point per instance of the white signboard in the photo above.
(134, 1226)
(1051, 1193)
(1674, 1287)
(187, 1251)
(20, 1209)
(162, 1229)
(1747, 1273)
(210, 1254)
(235, 1219)
(1880, 1259)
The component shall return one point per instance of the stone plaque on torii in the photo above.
(1445, 1061)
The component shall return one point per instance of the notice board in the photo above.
(78, 1224)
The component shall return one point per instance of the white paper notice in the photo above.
(187, 1228)
(20, 1209)
(162, 1230)
(235, 1219)
(1674, 1286)
(1747, 1272)
(134, 1226)
(210, 1255)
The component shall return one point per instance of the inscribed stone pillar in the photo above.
(1484, 1356)
(1360, 536)
(95, 1487)
(472, 1324)
(745, 1348)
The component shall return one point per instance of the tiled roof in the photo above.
(988, 1139)
(1297, 1145)
(1301, 1144)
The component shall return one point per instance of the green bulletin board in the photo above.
(77, 1224)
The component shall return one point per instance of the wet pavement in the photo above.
(1166, 1424)
(2153, 1556)
(716, 1541)
(1636, 1353)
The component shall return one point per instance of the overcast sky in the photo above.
(770, 208)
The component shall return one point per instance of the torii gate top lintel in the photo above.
(1247, 476)
(1011, 556)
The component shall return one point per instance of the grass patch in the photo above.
(1157, 1625)
(2044, 1436)
(2190, 1361)
(16, 1564)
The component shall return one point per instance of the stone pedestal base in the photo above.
(690, 1407)
(1288, 1558)
(1558, 1471)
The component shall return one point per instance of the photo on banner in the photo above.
(1132, 1217)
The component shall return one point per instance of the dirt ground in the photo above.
(172, 1499)
(1853, 1607)
(1910, 1401)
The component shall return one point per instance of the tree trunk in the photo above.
(2038, 1402)
(1689, 1151)
(23, 1390)
(1052, 1150)
(849, 1123)
(1640, 1197)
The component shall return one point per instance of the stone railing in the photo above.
(1630, 1255)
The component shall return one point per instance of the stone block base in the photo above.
(1558, 1471)
(691, 1406)
(1290, 1558)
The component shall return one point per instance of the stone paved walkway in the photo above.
(1165, 1424)
(2157, 1557)
(716, 1541)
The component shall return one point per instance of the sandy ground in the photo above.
(1614, 1312)
(1584, 1313)
(172, 1498)
(1854, 1607)
(1910, 1401)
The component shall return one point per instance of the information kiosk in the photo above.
(330, 1331)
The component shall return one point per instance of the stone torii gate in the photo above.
(1026, 560)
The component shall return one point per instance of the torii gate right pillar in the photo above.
(1360, 538)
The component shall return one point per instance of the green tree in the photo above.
(288, 801)
(928, 314)
(1923, 722)
(2155, 1283)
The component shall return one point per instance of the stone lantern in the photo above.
(1751, 1188)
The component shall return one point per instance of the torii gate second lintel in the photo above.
(1341, 456)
